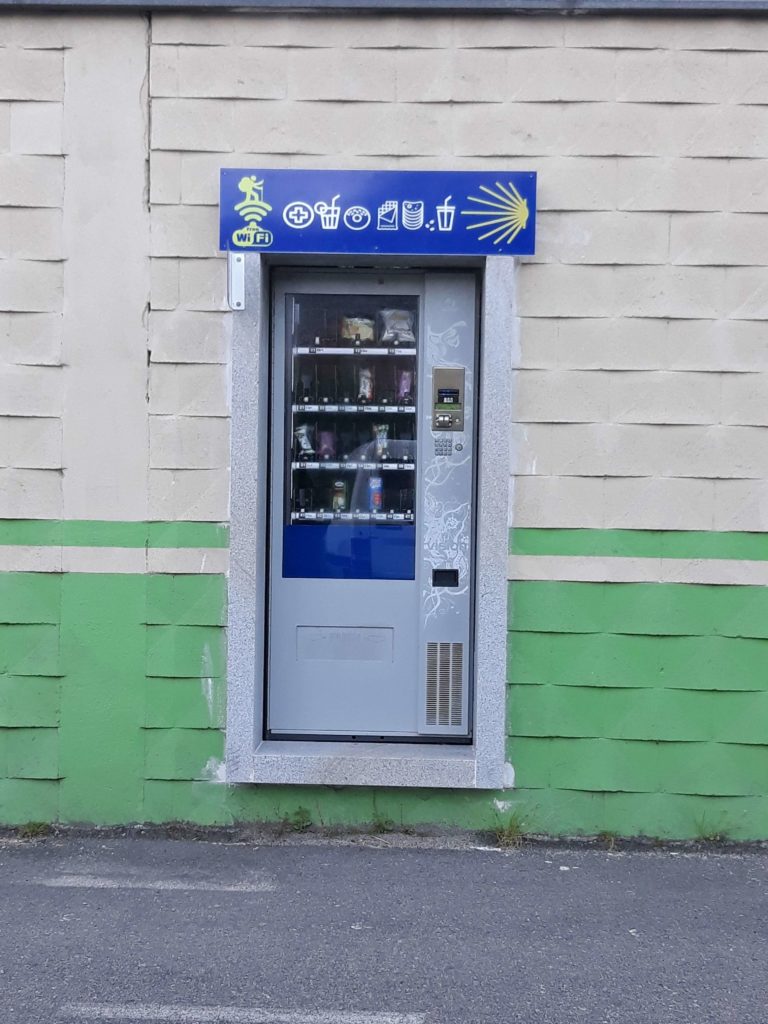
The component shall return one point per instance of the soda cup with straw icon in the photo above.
(328, 214)
(445, 215)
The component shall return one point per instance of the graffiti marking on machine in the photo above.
(468, 213)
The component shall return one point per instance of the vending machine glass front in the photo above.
(371, 508)
(350, 436)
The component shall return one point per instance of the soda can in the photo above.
(339, 496)
(375, 494)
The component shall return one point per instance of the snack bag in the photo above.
(381, 439)
(357, 328)
(365, 384)
(405, 387)
(326, 448)
(303, 434)
(396, 327)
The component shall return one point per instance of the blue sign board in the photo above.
(448, 213)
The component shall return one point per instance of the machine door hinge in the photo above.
(236, 280)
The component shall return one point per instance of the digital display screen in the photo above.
(448, 396)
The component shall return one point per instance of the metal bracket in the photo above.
(236, 280)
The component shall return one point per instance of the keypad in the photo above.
(443, 446)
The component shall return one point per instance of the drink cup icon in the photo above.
(329, 214)
(413, 215)
(445, 215)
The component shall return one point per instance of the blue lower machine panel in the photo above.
(349, 552)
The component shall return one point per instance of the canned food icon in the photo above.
(413, 215)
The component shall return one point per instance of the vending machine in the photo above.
(372, 481)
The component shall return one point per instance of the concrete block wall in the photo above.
(639, 493)
(31, 278)
(646, 296)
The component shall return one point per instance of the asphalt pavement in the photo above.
(378, 931)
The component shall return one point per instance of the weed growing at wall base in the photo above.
(512, 831)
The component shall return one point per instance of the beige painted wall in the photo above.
(74, 280)
(31, 277)
(643, 382)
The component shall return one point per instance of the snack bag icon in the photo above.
(387, 216)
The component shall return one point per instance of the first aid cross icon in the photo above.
(298, 215)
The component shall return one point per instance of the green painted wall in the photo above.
(107, 533)
(640, 543)
(633, 708)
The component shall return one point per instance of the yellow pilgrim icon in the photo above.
(252, 209)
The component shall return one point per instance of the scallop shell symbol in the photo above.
(502, 214)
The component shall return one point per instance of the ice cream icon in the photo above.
(329, 214)
(445, 215)
(413, 215)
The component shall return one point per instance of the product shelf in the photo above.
(371, 467)
(350, 409)
(352, 517)
(368, 351)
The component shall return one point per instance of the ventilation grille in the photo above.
(445, 668)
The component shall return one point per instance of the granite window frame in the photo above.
(249, 757)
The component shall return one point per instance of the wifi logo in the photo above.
(253, 208)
